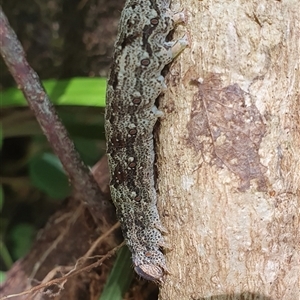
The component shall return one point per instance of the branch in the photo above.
(81, 178)
(62, 280)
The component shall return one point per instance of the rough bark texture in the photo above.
(228, 153)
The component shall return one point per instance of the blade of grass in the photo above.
(5, 256)
(76, 91)
(120, 277)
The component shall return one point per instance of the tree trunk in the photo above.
(228, 153)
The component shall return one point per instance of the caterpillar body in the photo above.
(135, 82)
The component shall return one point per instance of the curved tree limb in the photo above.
(85, 186)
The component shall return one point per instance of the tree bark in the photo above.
(228, 153)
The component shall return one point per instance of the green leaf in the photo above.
(76, 91)
(21, 236)
(47, 174)
(1, 197)
(5, 256)
(2, 276)
(120, 277)
(1, 135)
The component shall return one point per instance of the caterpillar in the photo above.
(135, 82)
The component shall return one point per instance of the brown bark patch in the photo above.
(225, 122)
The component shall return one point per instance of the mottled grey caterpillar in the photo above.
(141, 52)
